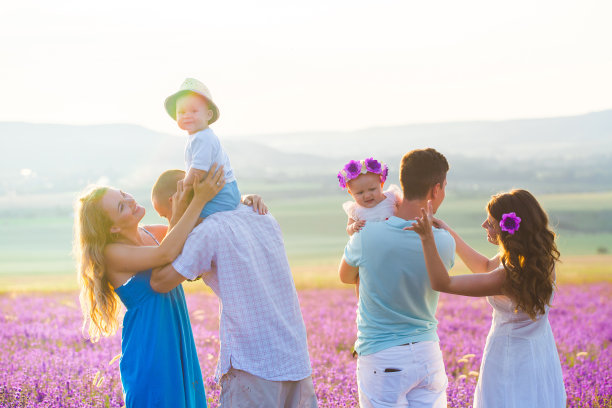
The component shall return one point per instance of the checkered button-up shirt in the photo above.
(261, 326)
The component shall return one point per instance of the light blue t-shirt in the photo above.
(396, 302)
(203, 149)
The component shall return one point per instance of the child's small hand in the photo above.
(423, 224)
(356, 226)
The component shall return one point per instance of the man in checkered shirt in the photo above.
(263, 359)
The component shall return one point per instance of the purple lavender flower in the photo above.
(373, 165)
(353, 169)
(341, 180)
(510, 223)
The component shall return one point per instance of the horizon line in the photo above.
(534, 118)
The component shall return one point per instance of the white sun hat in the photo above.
(195, 86)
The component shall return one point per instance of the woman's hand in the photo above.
(206, 189)
(256, 202)
(423, 224)
(180, 201)
(438, 223)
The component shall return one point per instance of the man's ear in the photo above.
(434, 191)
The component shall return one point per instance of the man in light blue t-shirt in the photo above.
(400, 363)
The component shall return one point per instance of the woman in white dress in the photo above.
(520, 364)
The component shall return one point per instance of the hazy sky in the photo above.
(277, 66)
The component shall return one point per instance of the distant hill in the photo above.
(552, 154)
(563, 137)
(66, 158)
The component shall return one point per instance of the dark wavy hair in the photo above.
(529, 255)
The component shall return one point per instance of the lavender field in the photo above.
(45, 362)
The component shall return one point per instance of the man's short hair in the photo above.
(165, 186)
(421, 170)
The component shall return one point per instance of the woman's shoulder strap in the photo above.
(150, 234)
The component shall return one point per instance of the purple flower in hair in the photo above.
(373, 165)
(353, 169)
(510, 223)
(341, 180)
(384, 173)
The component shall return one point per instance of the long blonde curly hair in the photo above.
(529, 255)
(99, 303)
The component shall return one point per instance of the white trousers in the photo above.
(403, 376)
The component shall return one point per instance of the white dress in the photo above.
(380, 212)
(520, 365)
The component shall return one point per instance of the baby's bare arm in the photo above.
(193, 173)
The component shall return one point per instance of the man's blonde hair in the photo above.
(165, 186)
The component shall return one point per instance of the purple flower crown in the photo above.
(510, 223)
(355, 168)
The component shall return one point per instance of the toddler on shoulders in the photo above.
(365, 180)
(194, 110)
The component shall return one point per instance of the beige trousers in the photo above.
(241, 389)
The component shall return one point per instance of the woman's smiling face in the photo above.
(492, 228)
(122, 209)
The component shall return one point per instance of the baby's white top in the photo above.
(380, 212)
(203, 149)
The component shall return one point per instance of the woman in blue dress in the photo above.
(159, 364)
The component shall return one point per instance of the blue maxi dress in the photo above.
(159, 364)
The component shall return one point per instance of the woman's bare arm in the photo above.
(482, 284)
(473, 259)
(133, 258)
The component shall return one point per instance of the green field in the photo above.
(35, 251)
